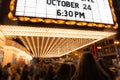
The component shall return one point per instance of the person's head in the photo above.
(101, 62)
(8, 64)
(64, 71)
(50, 67)
(89, 69)
(25, 67)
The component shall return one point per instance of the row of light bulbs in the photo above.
(91, 24)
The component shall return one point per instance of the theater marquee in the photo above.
(99, 13)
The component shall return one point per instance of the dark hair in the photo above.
(89, 69)
(51, 73)
(8, 64)
(64, 72)
(72, 70)
(106, 69)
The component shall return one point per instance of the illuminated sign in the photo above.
(80, 10)
(74, 11)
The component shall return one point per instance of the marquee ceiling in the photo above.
(52, 42)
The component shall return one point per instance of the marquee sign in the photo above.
(72, 12)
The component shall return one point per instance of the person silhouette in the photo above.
(89, 69)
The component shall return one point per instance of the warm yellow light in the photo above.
(116, 26)
(84, 23)
(99, 47)
(26, 56)
(79, 23)
(60, 21)
(108, 26)
(40, 20)
(10, 15)
(18, 52)
(54, 42)
(90, 24)
(53, 32)
(54, 21)
(35, 20)
(76, 54)
(48, 20)
(23, 18)
(100, 25)
(116, 42)
(12, 6)
(70, 22)
(12, 9)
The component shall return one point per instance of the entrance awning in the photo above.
(53, 42)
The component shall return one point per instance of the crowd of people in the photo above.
(39, 71)
(87, 68)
